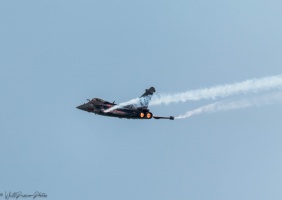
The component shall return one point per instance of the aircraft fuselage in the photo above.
(100, 108)
(138, 110)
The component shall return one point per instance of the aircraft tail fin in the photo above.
(147, 96)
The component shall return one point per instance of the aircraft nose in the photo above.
(84, 107)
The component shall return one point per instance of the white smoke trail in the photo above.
(132, 101)
(232, 105)
(253, 85)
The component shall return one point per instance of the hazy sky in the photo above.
(56, 54)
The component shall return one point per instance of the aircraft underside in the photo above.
(130, 115)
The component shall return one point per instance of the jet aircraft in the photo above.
(138, 110)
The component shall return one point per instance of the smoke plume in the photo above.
(248, 86)
(235, 104)
(221, 91)
(130, 102)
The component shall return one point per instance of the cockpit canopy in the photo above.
(99, 100)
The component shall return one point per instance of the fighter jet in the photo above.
(137, 110)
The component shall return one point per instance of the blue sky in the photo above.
(56, 54)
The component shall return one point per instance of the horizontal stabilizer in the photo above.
(157, 117)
